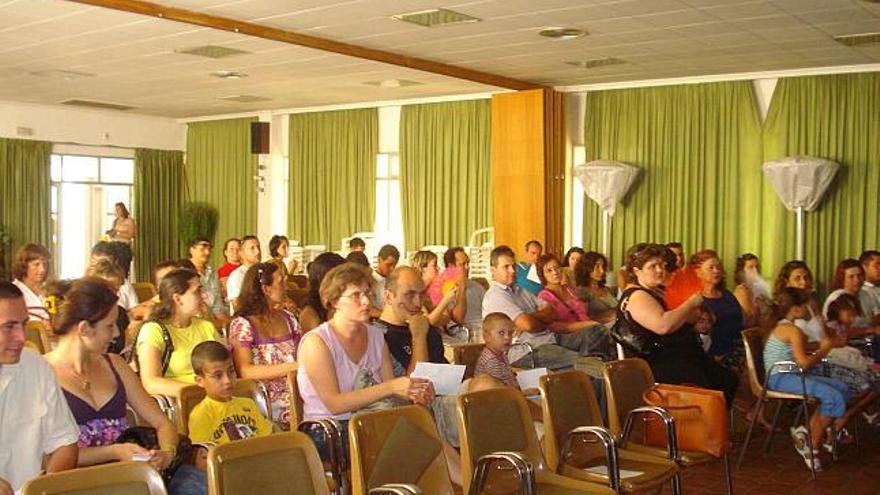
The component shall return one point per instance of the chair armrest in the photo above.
(608, 442)
(665, 416)
(396, 489)
(333, 433)
(518, 462)
(168, 405)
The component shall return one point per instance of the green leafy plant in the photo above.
(197, 219)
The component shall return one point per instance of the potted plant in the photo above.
(197, 219)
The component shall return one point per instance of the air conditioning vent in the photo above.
(858, 39)
(595, 63)
(435, 17)
(212, 51)
(243, 98)
(97, 104)
(67, 75)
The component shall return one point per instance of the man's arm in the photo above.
(418, 329)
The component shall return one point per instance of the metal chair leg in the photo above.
(758, 407)
(772, 427)
(806, 412)
(727, 474)
(676, 483)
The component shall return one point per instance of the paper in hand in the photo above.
(445, 377)
(529, 378)
(533, 275)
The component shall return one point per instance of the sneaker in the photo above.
(871, 418)
(799, 436)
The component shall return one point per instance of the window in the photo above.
(577, 200)
(389, 222)
(84, 192)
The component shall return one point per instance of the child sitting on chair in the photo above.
(220, 418)
(704, 325)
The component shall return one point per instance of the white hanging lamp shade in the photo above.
(800, 182)
(606, 182)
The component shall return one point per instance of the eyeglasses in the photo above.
(358, 295)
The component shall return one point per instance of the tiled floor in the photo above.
(781, 471)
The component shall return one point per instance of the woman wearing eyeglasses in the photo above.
(264, 338)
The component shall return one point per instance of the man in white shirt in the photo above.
(467, 310)
(37, 426)
(250, 256)
(387, 261)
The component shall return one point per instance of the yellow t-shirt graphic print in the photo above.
(217, 422)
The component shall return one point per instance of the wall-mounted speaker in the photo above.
(260, 138)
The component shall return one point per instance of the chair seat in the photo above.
(687, 458)
(776, 395)
(655, 470)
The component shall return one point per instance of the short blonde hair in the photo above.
(421, 259)
(339, 278)
(105, 269)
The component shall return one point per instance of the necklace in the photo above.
(84, 382)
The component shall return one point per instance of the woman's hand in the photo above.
(449, 296)
(126, 451)
(421, 391)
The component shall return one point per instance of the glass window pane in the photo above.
(381, 223)
(381, 165)
(395, 165)
(53, 199)
(79, 168)
(120, 170)
(55, 168)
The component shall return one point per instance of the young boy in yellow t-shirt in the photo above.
(220, 417)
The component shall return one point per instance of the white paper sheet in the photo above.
(529, 378)
(603, 471)
(533, 275)
(445, 377)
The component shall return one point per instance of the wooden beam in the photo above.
(284, 36)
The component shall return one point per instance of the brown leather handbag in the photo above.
(700, 418)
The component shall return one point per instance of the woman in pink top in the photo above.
(573, 327)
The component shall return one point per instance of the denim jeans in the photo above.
(188, 480)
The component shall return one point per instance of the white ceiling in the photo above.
(133, 60)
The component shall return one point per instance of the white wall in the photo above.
(94, 127)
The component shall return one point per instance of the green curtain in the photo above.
(158, 196)
(699, 150)
(332, 175)
(445, 172)
(220, 170)
(24, 194)
(835, 117)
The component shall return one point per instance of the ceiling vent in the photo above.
(436, 17)
(243, 98)
(595, 63)
(97, 104)
(67, 75)
(858, 39)
(212, 51)
(228, 74)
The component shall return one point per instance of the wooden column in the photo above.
(528, 168)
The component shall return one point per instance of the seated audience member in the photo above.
(752, 292)
(356, 244)
(121, 254)
(98, 385)
(344, 365)
(38, 433)
(590, 277)
(849, 277)
(676, 355)
(727, 344)
(797, 275)
(678, 250)
(533, 251)
(359, 258)
(408, 333)
(30, 272)
(573, 327)
(425, 262)
(250, 256)
(570, 262)
(314, 313)
(221, 418)
(787, 343)
(386, 262)
(107, 271)
(279, 248)
(164, 344)
(869, 295)
(264, 338)
(199, 254)
(845, 363)
(232, 255)
(532, 316)
(467, 309)
(704, 325)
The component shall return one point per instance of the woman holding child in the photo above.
(727, 345)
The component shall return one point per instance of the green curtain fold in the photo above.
(24, 193)
(445, 172)
(332, 175)
(699, 150)
(220, 170)
(835, 117)
(159, 191)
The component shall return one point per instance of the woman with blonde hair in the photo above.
(439, 313)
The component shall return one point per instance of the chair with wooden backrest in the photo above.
(497, 433)
(37, 336)
(382, 451)
(754, 338)
(625, 383)
(116, 478)
(276, 464)
(569, 405)
(468, 355)
(188, 397)
(144, 291)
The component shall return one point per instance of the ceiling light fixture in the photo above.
(229, 74)
(212, 51)
(560, 33)
(393, 83)
(435, 17)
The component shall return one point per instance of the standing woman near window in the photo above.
(124, 229)
(30, 272)
(264, 339)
